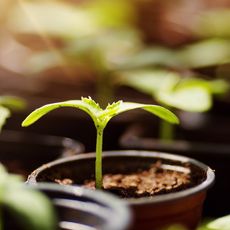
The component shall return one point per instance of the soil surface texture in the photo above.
(153, 181)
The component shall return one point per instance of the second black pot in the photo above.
(80, 209)
(21, 152)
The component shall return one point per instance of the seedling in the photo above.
(28, 206)
(100, 118)
(170, 89)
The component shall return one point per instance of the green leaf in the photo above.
(152, 56)
(185, 96)
(219, 87)
(98, 115)
(148, 81)
(12, 102)
(206, 53)
(69, 21)
(111, 13)
(110, 111)
(31, 208)
(3, 181)
(4, 114)
(86, 104)
(92, 104)
(222, 223)
(173, 90)
(154, 109)
(6, 180)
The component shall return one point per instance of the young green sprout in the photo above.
(100, 118)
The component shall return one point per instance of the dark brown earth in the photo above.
(153, 181)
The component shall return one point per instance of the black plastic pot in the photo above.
(21, 152)
(184, 207)
(214, 154)
(81, 209)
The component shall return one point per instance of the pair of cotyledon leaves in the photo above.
(98, 115)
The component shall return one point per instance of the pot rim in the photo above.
(117, 206)
(202, 187)
(22, 137)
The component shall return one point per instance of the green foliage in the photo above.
(7, 103)
(113, 14)
(147, 80)
(4, 114)
(12, 102)
(170, 88)
(209, 52)
(101, 118)
(188, 95)
(221, 223)
(29, 207)
(152, 56)
(66, 21)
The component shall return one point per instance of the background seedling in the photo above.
(171, 89)
(8, 103)
(29, 207)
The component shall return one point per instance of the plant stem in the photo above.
(166, 131)
(98, 164)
